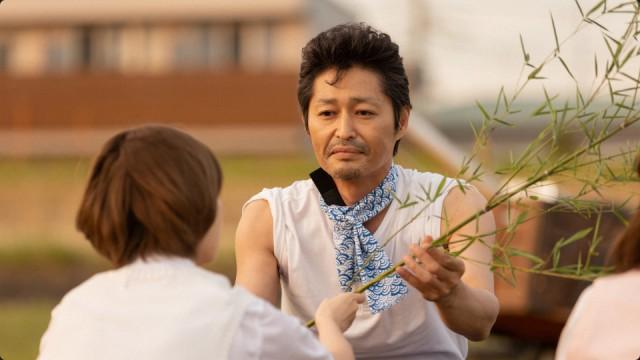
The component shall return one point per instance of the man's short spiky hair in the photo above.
(347, 45)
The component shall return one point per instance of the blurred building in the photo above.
(40, 36)
(71, 69)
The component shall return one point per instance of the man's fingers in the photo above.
(430, 291)
(444, 259)
(417, 269)
(410, 278)
(449, 262)
(426, 241)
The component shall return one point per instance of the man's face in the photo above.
(351, 124)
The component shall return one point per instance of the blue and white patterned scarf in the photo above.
(354, 244)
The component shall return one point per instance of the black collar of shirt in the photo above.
(327, 187)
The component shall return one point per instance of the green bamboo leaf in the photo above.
(396, 198)
(461, 186)
(616, 212)
(555, 33)
(506, 102)
(509, 280)
(615, 54)
(534, 73)
(616, 41)
(579, 265)
(622, 92)
(611, 96)
(623, 106)
(610, 49)
(593, 22)
(440, 187)
(540, 110)
(503, 122)
(579, 8)
(575, 237)
(408, 204)
(516, 252)
(519, 220)
(579, 98)
(566, 68)
(630, 77)
(595, 240)
(525, 54)
(623, 5)
(426, 193)
(552, 110)
(595, 64)
(498, 99)
(555, 259)
(595, 7)
(485, 114)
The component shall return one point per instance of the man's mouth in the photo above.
(344, 150)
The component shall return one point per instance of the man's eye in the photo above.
(365, 113)
(325, 113)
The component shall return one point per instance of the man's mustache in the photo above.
(358, 146)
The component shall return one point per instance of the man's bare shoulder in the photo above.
(464, 199)
(255, 227)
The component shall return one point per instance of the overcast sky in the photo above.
(471, 48)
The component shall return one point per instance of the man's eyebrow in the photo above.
(327, 100)
(365, 99)
(353, 99)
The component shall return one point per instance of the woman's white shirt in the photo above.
(604, 323)
(169, 308)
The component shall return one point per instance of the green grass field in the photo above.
(38, 200)
(22, 326)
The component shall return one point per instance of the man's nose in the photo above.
(345, 128)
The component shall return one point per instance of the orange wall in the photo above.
(107, 100)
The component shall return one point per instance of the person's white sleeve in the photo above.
(266, 333)
(569, 337)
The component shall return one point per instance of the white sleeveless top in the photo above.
(303, 246)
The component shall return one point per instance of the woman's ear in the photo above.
(208, 246)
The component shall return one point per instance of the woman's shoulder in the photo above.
(616, 284)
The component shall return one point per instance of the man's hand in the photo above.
(462, 290)
(433, 272)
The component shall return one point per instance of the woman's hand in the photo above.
(339, 310)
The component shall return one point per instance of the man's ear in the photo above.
(404, 122)
(305, 123)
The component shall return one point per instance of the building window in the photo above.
(60, 50)
(203, 46)
(255, 46)
(191, 48)
(102, 45)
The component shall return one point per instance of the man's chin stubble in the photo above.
(346, 174)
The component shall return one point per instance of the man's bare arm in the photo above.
(462, 289)
(472, 307)
(256, 264)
